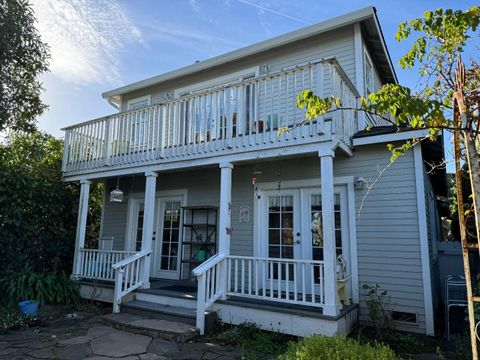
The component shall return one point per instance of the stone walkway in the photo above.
(89, 338)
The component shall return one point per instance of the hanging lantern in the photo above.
(116, 195)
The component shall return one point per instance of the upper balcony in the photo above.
(240, 117)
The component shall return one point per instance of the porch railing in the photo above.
(97, 264)
(129, 275)
(281, 280)
(242, 115)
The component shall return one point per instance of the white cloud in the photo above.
(85, 37)
(186, 37)
(194, 5)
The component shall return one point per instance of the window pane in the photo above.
(274, 220)
(274, 237)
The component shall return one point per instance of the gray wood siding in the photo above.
(338, 44)
(387, 225)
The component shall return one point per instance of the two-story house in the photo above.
(208, 208)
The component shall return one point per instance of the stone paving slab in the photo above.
(119, 344)
(152, 327)
(91, 339)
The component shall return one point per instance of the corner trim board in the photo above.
(423, 232)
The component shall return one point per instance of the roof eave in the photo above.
(298, 35)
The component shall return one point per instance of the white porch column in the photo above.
(148, 220)
(328, 227)
(225, 208)
(81, 225)
(225, 225)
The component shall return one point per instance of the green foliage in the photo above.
(442, 32)
(44, 287)
(253, 340)
(23, 59)
(39, 211)
(11, 319)
(379, 309)
(336, 348)
(444, 35)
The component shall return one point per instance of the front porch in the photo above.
(289, 267)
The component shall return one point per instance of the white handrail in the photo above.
(211, 286)
(200, 269)
(128, 260)
(129, 275)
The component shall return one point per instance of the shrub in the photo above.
(44, 287)
(336, 348)
(38, 215)
(11, 319)
(251, 338)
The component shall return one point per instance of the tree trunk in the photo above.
(463, 238)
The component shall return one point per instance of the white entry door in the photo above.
(291, 228)
(167, 246)
(281, 234)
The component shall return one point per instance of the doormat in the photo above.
(181, 288)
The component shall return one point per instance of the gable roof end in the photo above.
(366, 16)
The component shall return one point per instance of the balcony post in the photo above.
(328, 230)
(148, 220)
(106, 145)
(225, 219)
(81, 226)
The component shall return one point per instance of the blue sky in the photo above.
(98, 45)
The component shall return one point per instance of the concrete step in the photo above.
(156, 328)
(168, 312)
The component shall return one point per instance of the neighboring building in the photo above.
(204, 140)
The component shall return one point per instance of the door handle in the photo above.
(298, 242)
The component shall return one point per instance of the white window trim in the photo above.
(367, 58)
(305, 184)
(133, 198)
(139, 99)
(423, 234)
(218, 81)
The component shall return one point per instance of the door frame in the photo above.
(347, 181)
(133, 200)
(155, 272)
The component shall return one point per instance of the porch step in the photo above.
(170, 313)
(156, 328)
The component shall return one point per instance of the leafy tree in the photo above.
(38, 215)
(447, 98)
(23, 58)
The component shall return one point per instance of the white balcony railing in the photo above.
(239, 116)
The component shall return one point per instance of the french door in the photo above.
(291, 228)
(166, 263)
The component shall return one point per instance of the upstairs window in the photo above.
(368, 73)
(138, 103)
(138, 123)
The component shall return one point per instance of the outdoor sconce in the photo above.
(359, 183)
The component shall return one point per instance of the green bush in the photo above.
(38, 210)
(252, 339)
(336, 348)
(44, 287)
(11, 319)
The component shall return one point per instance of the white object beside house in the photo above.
(308, 227)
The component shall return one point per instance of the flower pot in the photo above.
(28, 307)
